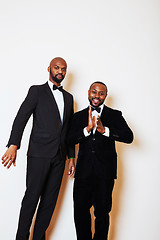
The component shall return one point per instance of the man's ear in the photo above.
(49, 69)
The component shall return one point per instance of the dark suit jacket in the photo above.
(97, 149)
(48, 132)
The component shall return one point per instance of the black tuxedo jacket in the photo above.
(48, 133)
(98, 150)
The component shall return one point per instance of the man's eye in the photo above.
(63, 69)
(56, 67)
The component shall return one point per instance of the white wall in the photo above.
(113, 41)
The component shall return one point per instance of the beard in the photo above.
(55, 79)
(100, 103)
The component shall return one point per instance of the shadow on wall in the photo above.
(69, 82)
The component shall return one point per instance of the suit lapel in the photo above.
(104, 112)
(66, 105)
(50, 94)
(105, 116)
(85, 114)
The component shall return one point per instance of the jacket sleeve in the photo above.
(120, 130)
(76, 134)
(70, 147)
(22, 117)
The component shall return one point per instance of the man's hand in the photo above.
(71, 167)
(91, 121)
(100, 127)
(9, 157)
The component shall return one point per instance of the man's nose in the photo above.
(60, 71)
(97, 95)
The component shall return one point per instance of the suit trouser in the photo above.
(97, 192)
(43, 182)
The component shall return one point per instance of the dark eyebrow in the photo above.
(96, 90)
(59, 66)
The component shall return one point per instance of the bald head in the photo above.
(58, 59)
(57, 70)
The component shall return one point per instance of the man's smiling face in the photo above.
(97, 94)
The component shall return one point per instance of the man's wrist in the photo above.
(71, 159)
(103, 130)
(86, 133)
(106, 132)
(13, 146)
(88, 129)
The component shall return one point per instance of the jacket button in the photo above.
(93, 139)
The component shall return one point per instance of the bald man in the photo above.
(52, 109)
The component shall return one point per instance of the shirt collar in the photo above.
(101, 107)
(51, 84)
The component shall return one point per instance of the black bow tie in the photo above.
(98, 109)
(59, 88)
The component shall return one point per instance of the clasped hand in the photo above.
(91, 122)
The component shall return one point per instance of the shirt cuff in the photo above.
(86, 134)
(106, 133)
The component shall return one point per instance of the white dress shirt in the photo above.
(58, 95)
(95, 113)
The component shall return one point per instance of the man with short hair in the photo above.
(52, 110)
(96, 129)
